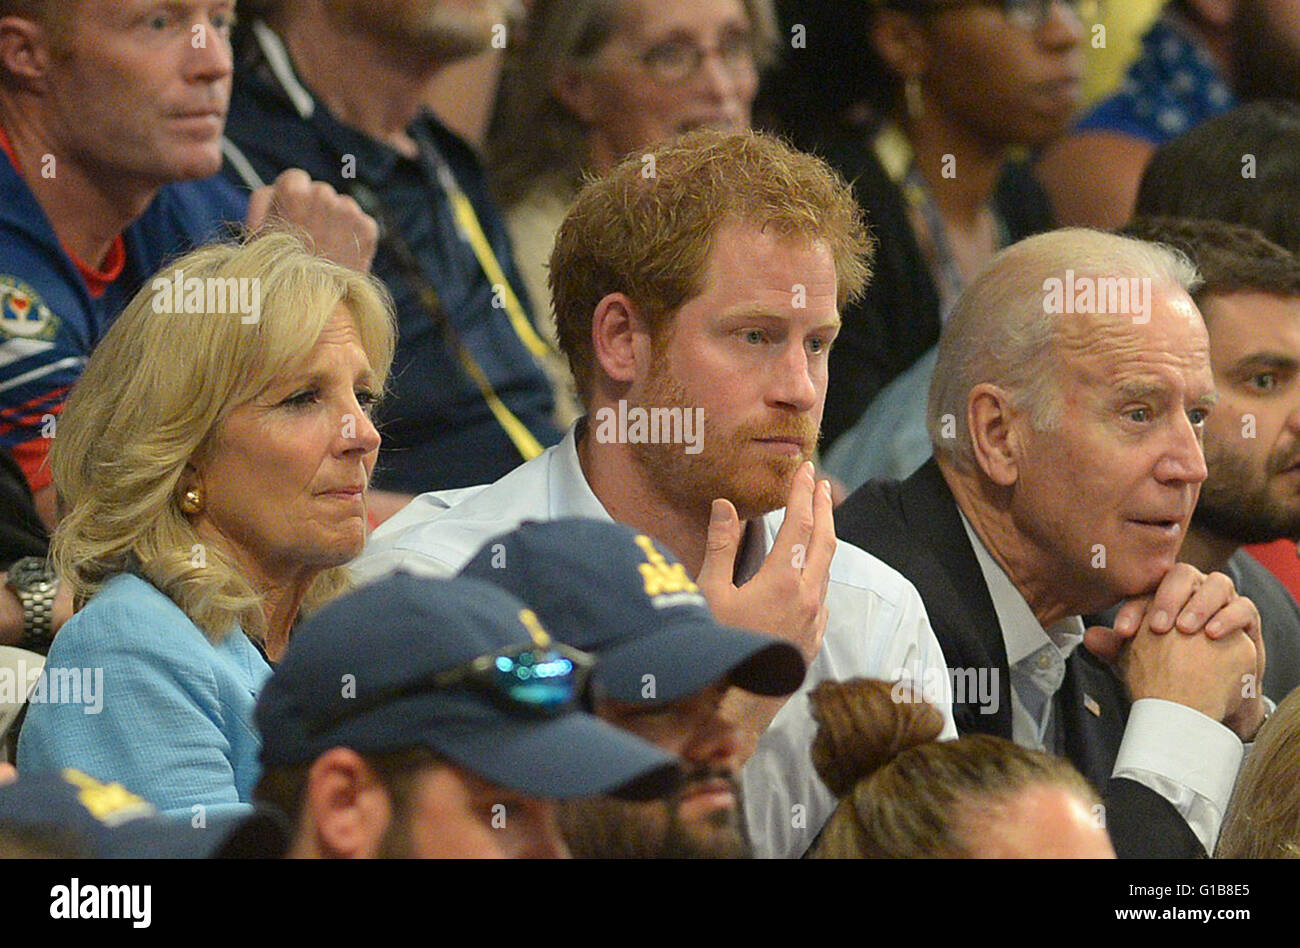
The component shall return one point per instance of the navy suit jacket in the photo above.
(914, 526)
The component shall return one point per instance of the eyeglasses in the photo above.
(678, 60)
(1031, 15)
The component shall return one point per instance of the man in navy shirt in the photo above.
(110, 143)
(110, 121)
(337, 89)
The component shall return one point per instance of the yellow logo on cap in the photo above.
(107, 802)
(660, 576)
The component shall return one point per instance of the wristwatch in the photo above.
(34, 583)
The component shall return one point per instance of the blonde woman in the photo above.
(213, 464)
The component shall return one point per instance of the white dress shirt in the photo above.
(877, 626)
(1189, 759)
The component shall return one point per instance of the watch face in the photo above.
(30, 572)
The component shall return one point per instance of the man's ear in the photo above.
(346, 806)
(620, 338)
(994, 434)
(25, 53)
(899, 40)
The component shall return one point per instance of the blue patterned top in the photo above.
(1173, 86)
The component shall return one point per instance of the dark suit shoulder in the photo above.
(874, 508)
(915, 527)
(908, 522)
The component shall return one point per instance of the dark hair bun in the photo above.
(863, 724)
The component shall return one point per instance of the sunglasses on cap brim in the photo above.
(530, 679)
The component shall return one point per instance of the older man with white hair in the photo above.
(1066, 416)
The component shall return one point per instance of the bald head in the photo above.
(1071, 392)
(1006, 328)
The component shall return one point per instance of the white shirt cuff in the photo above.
(1184, 756)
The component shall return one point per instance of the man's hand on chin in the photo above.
(786, 598)
(335, 224)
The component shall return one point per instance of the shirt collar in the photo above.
(375, 160)
(276, 56)
(1021, 632)
(572, 496)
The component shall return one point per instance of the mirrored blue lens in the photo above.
(537, 679)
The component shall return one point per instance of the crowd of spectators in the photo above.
(698, 442)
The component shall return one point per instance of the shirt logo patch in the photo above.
(22, 313)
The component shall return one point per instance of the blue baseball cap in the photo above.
(605, 588)
(412, 661)
(75, 815)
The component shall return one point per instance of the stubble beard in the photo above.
(727, 466)
(605, 828)
(1235, 505)
(433, 31)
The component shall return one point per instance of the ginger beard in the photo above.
(730, 465)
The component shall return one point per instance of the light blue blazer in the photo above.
(160, 709)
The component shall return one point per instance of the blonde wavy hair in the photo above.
(152, 400)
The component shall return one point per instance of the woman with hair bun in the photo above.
(905, 795)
